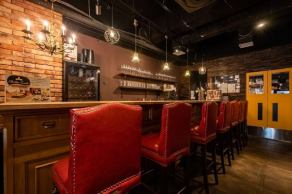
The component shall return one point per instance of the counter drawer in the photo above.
(39, 126)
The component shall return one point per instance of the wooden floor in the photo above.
(263, 167)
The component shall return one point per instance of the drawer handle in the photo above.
(49, 124)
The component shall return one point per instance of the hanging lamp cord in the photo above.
(187, 57)
(135, 25)
(112, 14)
(166, 48)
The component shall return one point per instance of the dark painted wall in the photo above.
(110, 58)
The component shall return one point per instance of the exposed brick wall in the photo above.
(266, 59)
(22, 57)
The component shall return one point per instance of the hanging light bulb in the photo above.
(202, 69)
(111, 34)
(166, 65)
(135, 57)
(187, 72)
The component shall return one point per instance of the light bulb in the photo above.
(187, 73)
(73, 38)
(166, 66)
(27, 24)
(112, 34)
(202, 70)
(261, 25)
(135, 58)
(40, 37)
(46, 25)
(63, 30)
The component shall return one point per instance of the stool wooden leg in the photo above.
(54, 190)
(221, 150)
(230, 143)
(215, 162)
(164, 180)
(246, 132)
(222, 159)
(186, 167)
(205, 170)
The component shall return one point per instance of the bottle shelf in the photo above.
(146, 77)
(139, 88)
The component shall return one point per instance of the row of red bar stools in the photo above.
(231, 129)
(106, 147)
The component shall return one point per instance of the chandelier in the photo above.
(112, 35)
(202, 69)
(49, 39)
(135, 57)
(187, 72)
(166, 65)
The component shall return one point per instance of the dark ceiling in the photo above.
(209, 27)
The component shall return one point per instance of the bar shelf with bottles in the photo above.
(131, 71)
(139, 85)
(139, 79)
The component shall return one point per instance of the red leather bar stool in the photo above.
(235, 110)
(105, 151)
(223, 131)
(172, 143)
(204, 135)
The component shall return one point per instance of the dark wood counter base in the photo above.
(35, 136)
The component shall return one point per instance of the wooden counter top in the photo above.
(51, 105)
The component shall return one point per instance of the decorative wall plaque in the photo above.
(26, 89)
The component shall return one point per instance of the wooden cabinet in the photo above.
(36, 140)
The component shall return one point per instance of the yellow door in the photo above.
(280, 99)
(256, 95)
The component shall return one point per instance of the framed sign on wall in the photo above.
(26, 89)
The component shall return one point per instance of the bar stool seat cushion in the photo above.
(196, 138)
(60, 175)
(150, 141)
(150, 149)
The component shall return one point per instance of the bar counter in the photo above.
(52, 105)
(36, 135)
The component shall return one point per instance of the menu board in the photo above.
(227, 83)
(26, 89)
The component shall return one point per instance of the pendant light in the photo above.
(111, 34)
(202, 69)
(187, 73)
(135, 57)
(166, 65)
